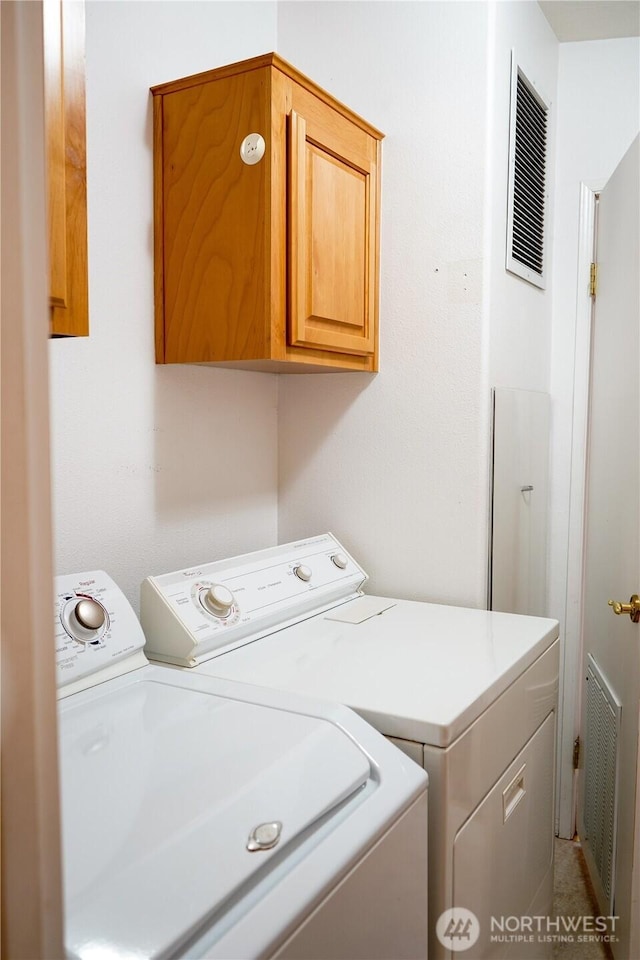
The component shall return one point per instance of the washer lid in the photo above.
(162, 787)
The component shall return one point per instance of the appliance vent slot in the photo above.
(527, 179)
(603, 715)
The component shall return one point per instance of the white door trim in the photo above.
(571, 687)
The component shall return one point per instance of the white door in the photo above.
(612, 560)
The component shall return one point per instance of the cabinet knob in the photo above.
(252, 149)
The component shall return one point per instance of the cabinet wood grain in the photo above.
(64, 62)
(270, 266)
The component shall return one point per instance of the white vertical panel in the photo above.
(518, 560)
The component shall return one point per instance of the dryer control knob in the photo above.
(89, 614)
(218, 600)
(339, 560)
(302, 572)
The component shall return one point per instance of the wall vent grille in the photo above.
(603, 715)
(527, 179)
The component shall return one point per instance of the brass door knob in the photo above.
(632, 608)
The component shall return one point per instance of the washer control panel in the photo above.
(94, 625)
(194, 614)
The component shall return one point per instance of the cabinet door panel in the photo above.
(64, 40)
(215, 222)
(57, 199)
(332, 241)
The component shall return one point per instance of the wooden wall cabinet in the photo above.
(64, 76)
(273, 265)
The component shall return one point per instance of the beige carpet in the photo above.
(573, 897)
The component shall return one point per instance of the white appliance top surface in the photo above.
(419, 671)
(164, 775)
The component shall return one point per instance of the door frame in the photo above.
(571, 667)
(32, 921)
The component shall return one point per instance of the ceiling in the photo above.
(592, 19)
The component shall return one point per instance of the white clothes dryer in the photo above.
(470, 695)
(207, 818)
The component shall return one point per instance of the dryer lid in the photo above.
(162, 787)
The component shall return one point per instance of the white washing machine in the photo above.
(207, 818)
(470, 695)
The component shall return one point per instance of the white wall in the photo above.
(398, 464)
(395, 464)
(519, 313)
(153, 467)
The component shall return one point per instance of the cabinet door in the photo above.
(63, 24)
(332, 243)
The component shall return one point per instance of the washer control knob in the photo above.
(218, 600)
(84, 619)
(89, 614)
(302, 572)
(339, 560)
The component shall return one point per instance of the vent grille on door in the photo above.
(603, 716)
(527, 179)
